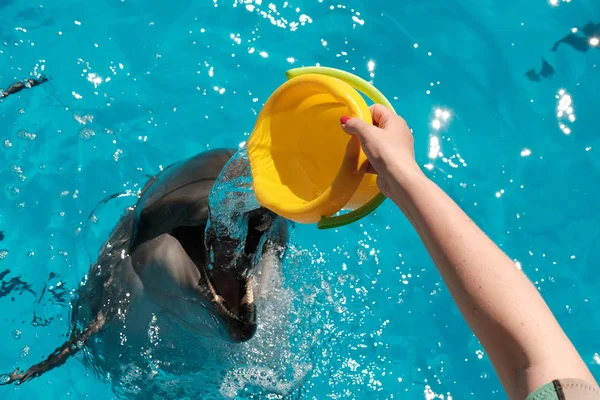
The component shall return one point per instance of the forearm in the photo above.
(502, 307)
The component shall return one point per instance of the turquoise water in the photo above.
(135, 85)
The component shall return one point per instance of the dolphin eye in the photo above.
(265, 224)
(260, 219)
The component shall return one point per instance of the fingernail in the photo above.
(344, 119)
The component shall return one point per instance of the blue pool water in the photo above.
(135, 85)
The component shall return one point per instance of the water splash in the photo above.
(231, 200)
(275, 364)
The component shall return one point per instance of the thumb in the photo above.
(358, 127)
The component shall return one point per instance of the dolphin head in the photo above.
(217, 252)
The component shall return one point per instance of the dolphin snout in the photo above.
(239, 332)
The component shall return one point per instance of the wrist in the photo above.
(401, 181)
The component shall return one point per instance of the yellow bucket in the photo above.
(304, 166)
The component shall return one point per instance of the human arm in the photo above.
(525, 343)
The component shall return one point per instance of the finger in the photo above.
(381, 115)
(384, 117)
(358, 127)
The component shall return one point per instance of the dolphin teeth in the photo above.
(225, 310)
(218, 299)
(249, 297)
(220, 302)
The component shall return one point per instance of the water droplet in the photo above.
(26, 135)
(86, 133)
(83, 119)
(117, 154)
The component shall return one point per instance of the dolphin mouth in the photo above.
(232, 296)
(228, 292)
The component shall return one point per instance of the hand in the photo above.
(389, 146)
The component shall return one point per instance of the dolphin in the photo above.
(547, 71)
(581, 43)
(581, 39)
(158, 251)
(20, 85)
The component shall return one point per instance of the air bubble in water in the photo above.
(16, 334)
(4, 379)
(3, 254)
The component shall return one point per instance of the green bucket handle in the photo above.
(376, 96)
